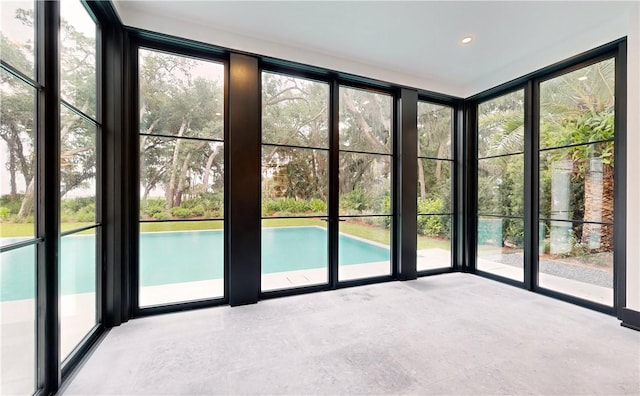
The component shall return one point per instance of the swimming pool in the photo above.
(184, 256)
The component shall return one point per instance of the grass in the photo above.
(358, 229)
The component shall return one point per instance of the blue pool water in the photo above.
(186, 256)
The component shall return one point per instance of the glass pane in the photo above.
(184, 262)
(294, 181)
(501, 186)
(578, 107)
(181, 179)
(77, 171)
(365, 184)
(365, 121)
(577, 183)
(501, 125)
(577, 259)
(78, 289)
(17, 35)
(364, 247)
(181, 96)
(294, 253)
(500, 247)
(18, 321)
(77, 57)
(17, 150)
(294, 111)
(434, 186)
(434, 242)
(434, 130)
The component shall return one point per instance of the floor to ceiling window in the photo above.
(576, 182)
(500, 182)
(79, 178)
(181, 128)
(435, 160)
(19, 87)
(295, 181)
(365, 183)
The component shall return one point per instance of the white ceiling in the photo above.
(411, 43)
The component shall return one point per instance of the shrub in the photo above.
(152, 206)
(12, 203)
(197, 211)
(4, 213)
(180, 212)
(356, 200)
(317, 205)
(161, 216)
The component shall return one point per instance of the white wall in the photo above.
(633, 161)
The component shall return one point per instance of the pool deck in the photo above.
(78, 310)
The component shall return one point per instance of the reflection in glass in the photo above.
(18, 187)
(77, 57)
(434, 242)
(294, 181)
(501, 185)
(434, 130)
(180, 178)
(77, 289)
(364, 247)
(181, 96)
(500, 247)
(295, 111)
(18, 321)
(434, 186)
(365, 121)
(294, 253)
(182, 265)
(577, 258)
(577, 183)
(578, 107)
(501, 125)
(17, 38)
(365, 183)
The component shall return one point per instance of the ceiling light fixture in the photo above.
(467, 40)
(582, 78)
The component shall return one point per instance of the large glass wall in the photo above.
(295, 181)
(181, 178)
(500, 182)
(576, 182)
(18, 185)
(79, 219)
(364, 181)
(435, 160)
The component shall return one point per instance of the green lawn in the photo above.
(365, 231)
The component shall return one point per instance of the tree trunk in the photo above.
(207, 168)
(171, 188)
(421, 181)
(27, 203)
(598, 207)
(12, 173)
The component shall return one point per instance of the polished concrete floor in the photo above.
(447, 334)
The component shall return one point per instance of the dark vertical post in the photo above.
(113, 149)
(458, 187)
(470, 190)
(620, 187)
(530, 242)
(334, 193)
(48, 196)
(406, 183)
(243, 235)
(532, 183)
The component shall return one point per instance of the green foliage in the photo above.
(4, 213)
(161, 216)
(12, 203)
(356, 200)
(180, 212)
(433, 226)
(152, 206)
(82, 209)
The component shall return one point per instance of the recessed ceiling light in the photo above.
(467, 40)
(582, 78)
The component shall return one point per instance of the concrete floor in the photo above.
(448, 334)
